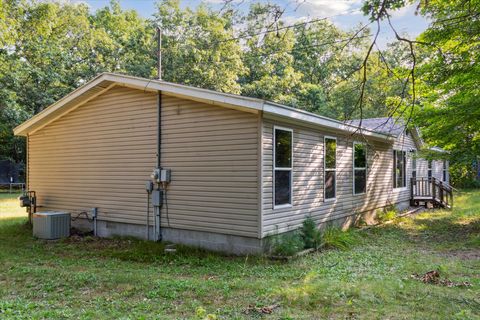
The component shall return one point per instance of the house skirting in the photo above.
(208, 240)
(231, 244)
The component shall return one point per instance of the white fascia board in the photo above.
(303, 116)
(22, 129)
(209, 96)
(417, 137)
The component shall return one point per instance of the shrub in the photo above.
(286, 244)
(387, 214)
(311, 235)
(334, 237)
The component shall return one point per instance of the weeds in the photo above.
(336, 238)
(286, 244)
(386, 214)
(311, 237)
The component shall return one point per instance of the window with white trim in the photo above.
(359, 168)
(429, 171)
(330, 167)
(399, 166)
(282, 167)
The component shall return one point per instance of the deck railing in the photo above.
(434, 190)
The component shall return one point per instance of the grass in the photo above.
(9, 206)
(87, 278)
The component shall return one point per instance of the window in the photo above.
(330, 167)
(282, 167)
(444, 170)
(399, 158)
(359, 168)
(414, 165)
(429, 171)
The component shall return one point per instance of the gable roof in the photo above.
(390, 125)
(384, 125)
(106, 81)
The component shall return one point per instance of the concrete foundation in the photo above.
(212, 241)
(207, 240)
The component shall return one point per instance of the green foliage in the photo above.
(311, 235)
(111, 278)
(336, 238)
(194, 48)
(450, 82)
(49, 48)
(386, 214)
(286, 244)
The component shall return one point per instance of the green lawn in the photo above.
(129, 279)
(9, 206)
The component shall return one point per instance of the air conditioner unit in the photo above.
(51, 225)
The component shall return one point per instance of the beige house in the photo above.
(241, 168)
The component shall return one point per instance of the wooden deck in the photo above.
(431, 191)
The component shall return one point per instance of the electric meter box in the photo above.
(165, 175)
(157, 198)
(161, 175)
(51, 225)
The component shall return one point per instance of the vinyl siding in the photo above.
(213, 154)
(308, 191)
(102, 153)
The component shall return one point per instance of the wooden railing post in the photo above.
(412, 185)
(422, 187)
(451, 198)
(441, 193)
(432, 183)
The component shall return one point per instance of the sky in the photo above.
(343, 13)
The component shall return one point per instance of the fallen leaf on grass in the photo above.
(262, 310)
(433, 277)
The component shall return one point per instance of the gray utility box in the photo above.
(51, 225)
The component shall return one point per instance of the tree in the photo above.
(450, 78)
(446, 80)
(47, 49)
(268, 57)
(195, 47)
(124, 42)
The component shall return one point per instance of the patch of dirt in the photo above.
(74, 232)
(473, 254)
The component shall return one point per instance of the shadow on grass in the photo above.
(435, 230)
(448, 231)
(14, 227)
(15, 233)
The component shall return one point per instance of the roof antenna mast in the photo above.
(159, 53)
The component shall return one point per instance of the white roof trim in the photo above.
(54, 111)
(303, 116)
(417, 137)
(23, 128)
(213, 97)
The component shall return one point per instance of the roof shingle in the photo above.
(392, 126)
